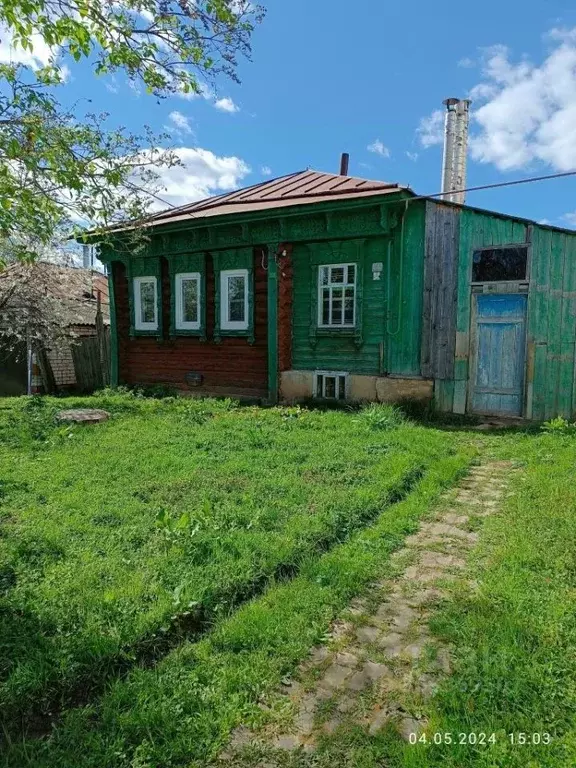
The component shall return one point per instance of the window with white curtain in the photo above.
(234, 299)
(188, 298)
(145, 304)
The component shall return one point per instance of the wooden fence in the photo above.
(91, 356)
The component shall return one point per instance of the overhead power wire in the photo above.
(498, 184)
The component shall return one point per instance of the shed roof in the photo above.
(299, 188)
(75, 289)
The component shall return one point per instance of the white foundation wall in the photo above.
(296, 386)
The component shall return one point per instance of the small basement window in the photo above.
(330, 385)
(491, 265)
(188, 301)
(145, 304)
(337, 295)
(234, 299)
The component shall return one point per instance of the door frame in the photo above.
(493, 289)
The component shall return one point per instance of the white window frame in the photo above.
(225, 323)
(332, 285)
(335, 374)
(181, 324)
(139, 324)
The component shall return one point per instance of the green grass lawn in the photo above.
(513, 639)
(159, 573)
(124, 543)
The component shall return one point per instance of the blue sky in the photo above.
(328, 76)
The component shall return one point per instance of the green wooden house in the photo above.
(324, 286)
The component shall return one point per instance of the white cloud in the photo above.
(226, 105)
(412, 156)
(266, 170)
(201, 174)
(378, 148)
(569, 217)
(180, 121)
(545, 221)
(527, 112)
(204, 91)
(431, 129)
(11, 53)
(467, 63)
(111, 84)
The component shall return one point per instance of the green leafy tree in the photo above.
(62, 171)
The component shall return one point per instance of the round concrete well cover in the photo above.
(83, 415)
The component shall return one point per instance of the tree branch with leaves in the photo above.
(61, 172)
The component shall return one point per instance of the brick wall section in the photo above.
(62, 366)
(61, 359)
(285, 269)
(100, 283)
(233, 364)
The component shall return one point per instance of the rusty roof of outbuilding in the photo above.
(299, 188)
(75, 290)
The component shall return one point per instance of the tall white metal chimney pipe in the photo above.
(461, 150)
(455, 150)
(449, 141)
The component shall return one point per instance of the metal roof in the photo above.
(299, 188)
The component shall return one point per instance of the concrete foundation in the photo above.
(296, 386)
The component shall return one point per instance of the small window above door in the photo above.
(492, 265)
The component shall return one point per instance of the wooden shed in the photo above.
(499, 329)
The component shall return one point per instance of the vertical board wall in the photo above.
(552, 323)
(551, 342)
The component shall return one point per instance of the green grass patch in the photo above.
(513, 639)
(121, 540)
(181, 712)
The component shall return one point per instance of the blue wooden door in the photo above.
(497, 385)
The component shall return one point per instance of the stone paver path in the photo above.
(381, 661)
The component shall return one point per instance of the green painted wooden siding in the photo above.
(552, 323)
(389, 311)
(551, 335)
(403, 333)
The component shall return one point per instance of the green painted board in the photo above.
(443, 395)
(539, 388)
(565, 380)
(568, 332)
(460, 395)
(540, 284)
(403, 325)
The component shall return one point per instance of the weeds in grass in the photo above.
(559, 425)
(379, 417)
(124, 538)
(180, 713)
